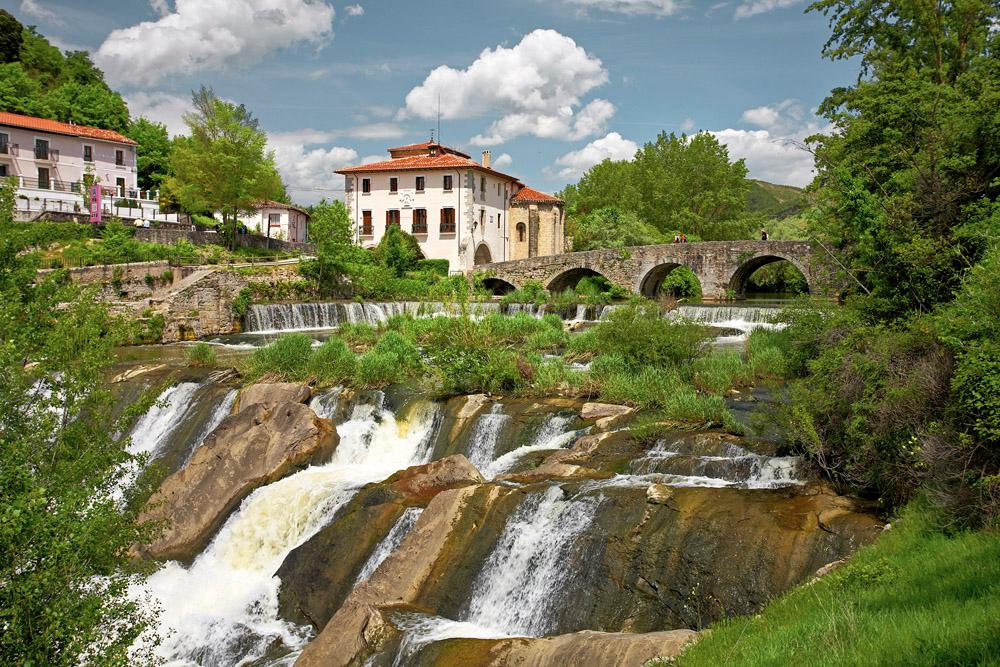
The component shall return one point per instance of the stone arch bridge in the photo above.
(723, 267)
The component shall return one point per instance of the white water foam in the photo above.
(485, 434)
(552, 435)
(153, 429)
(393, 539)
(223, 609)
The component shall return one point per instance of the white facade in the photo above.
(277, 221)
(477, 201)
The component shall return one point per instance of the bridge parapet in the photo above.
(723, 267)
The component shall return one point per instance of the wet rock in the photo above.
(318, 575)
(256, 446)
(132, 373)
(659, 494)
(271, 394)
(591, 411)
(554, 469)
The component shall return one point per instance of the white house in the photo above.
(457, 209)
(52, 160)
(277, 221)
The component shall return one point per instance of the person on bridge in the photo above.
(677, 239)
(684, 238)
(763, 235)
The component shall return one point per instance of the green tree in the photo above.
(397, 251)
(224, 165)
(79, 68)
(153, 152)
(88, 104)
(611, 227)
(64, 532)
(10, 37)
(608, 183)
(42, 61)
(336, 254)
(19, 93)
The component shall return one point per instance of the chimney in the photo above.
(486, 159)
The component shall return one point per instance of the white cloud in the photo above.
(354, 10)
(209, 35)
(160, 108)
(534, 85)
(311, 136)
(503, 160)
(308, 171)
(687, 125)
(750, 8)
(161, 7)
(633, 7)
(368, 159)
(609, 147)
(35, 9)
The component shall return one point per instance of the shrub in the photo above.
(639, 333)
(357, 334)
(288, 356)
(531, 292)
(718, 372)
(242, 302)
(437, 267)
(681, 283)
(333, 362)
(393, 359)
(201, 354)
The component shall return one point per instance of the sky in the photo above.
(550, 87)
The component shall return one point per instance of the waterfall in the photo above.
(743, 318)
(485, 434)
(153, 429)
(523, 579)
(223, 609)
(552, 435)
(325, 404)
(399, 530)
(276, 318)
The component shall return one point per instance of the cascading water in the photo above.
(523, 580)
(485, 434)
(399, 530)
(274, 318)
(223, 609)
(153, 429)
(742, 318)
(552, 435)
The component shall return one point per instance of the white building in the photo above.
(277, 221)
(53, 160)
(457, 209)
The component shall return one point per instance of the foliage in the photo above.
(915, 597)
(638, 332)
(288, 356)
(64, 559)
(435, 266)
(8, 201)
(397, 251)
(10, 37)
(333, 362)
(153, 154)
(780, 277)
(681, 283)
(242, 302)
(223, 165)
(611, 227)
(393, 359)
(531, 292)
(674, 183)
(330, 231)
(201, 354)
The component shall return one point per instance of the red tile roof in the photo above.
(58, 127)
(426, 146)
(423, 162)
(270, 203)
(527, 194)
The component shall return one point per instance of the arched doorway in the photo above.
(483, 255)
(685, 283)
(498, 286)
(769, 275)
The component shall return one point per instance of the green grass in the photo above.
(915, 597)
(201, 354)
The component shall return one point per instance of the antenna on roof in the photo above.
(439, 117)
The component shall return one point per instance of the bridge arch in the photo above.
(499, 286)
(483, 255)
(650, 283)
(738, 281)
(569, 278)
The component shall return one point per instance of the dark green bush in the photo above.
(201, 354)
(435, 266)
(288, 356)
(640, 334)
(681, 283)
(333, 362)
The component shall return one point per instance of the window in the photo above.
(4, 143)
(120, 157)
(420, 183)
(499, 217)
(120, 183)
(447, 221)
(366, 223)
(393, 184)
(41, 149)
(366, 186)
(520, 232)
(392, 218)
(88, 153)
(447, 181)
(3, 170)
(43, 178)
(482, 186)
(420, 221)
(482, 217)
(274, 220)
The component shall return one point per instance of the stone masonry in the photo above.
(723, 267)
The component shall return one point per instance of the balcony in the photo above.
(8, 150)
(49, 184)
(46, 154)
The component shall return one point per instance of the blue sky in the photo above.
(549, 86)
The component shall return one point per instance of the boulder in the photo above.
(465, 409)
(594, 649)
(258, 445)
(420, 483)
(271, 394)
(591, 411)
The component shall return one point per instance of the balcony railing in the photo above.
(447, 227)
(7, 148)
(46, 154)
(49, 184)
(419, 227)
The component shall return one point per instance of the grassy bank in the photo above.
(916, 597)
(633, 357)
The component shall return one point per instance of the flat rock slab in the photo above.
(256, 446)
(271, 394)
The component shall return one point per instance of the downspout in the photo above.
(357, 211)
(458, 217)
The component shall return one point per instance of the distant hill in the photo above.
(775, 201)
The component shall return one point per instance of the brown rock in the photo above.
(603, 410)
(256, 446)
(423, 482)
(469, 408)
(271, 394)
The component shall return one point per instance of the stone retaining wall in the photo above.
(170, 236)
